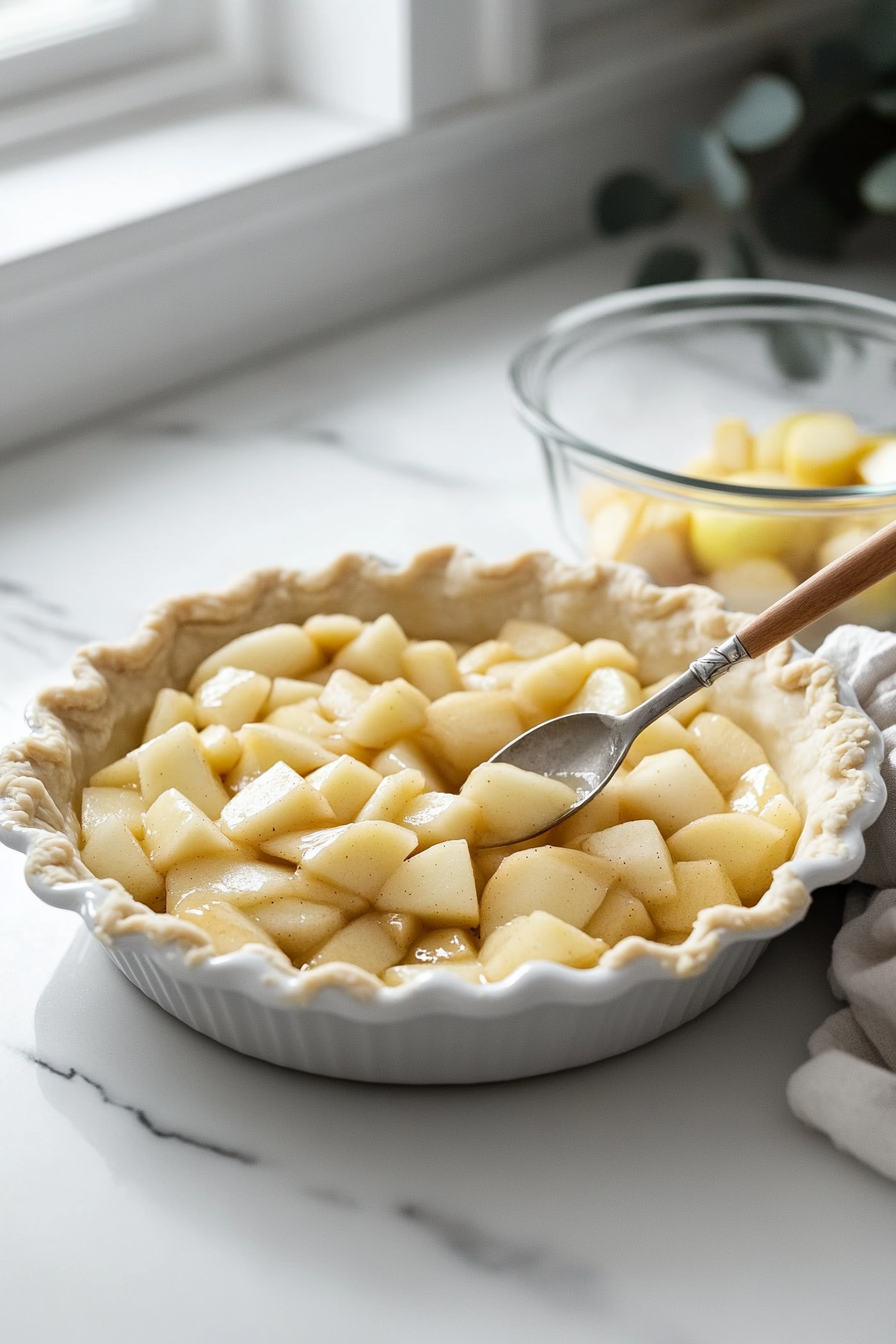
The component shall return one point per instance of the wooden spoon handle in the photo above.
(864, 565)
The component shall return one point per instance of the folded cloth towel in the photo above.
(848, 1087)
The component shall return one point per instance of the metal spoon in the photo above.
(585, 750)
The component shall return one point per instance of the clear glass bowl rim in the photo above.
(531, 367)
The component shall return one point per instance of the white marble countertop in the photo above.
(157, 1186)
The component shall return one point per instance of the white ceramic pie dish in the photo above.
(338, 1020)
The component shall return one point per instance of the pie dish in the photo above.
(339, 1020)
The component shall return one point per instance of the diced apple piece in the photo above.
(532, 639)
(170, 707)
(878, 467)
(277, 651)
(289, 691)
(468, 971)
(112, 851)
(753, 585)
(724, 750)
(332, 632)
(344, 693)
(620, 915)
(244, 882)
(702, 884)
(394, 710)
(548, 683)
(120, 774)
(639, 859)
(233, 696)
(438, 886)
(609, 653)
(480, 657)
(563, 882)
(299, 928)
(664, 734)
(722, 538)
(97, 803)
(176, 832)
(376, 652)
(613, 524)
(228, 928)
(318, 892)
(671, 789)
(539, 936)
(748, 848)
(346, 784)
(393, 796)
(780, 811)
(659, 543)
(732, 445)
(436, 817)
(305, 717)
(360, 856)
(263, 745)
(516, 802)
(374, 942)
(442, 945)
(602, 811)
(768, 450)
(755, 788)
(822, 449)
(175, 760)
(431, 666)
(278, 802)
(607, 690)
(470, 726)
(220, 747)
(488, 861)
(405, 754)
(500, 676)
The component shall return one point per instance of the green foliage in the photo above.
(797, 220)
(632, 200)
(669, 264)
(766, 110)
(877, 187)
(801, 164)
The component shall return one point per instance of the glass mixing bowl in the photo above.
(626, 391)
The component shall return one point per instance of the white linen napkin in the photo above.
(848, 1087)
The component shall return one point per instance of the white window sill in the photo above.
(135, 178)
(132, 267)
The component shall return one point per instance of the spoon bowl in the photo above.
(585, 750)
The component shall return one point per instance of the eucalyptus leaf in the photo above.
(877, 187)
(728, 179)
(742, 262)
(800, 351)
(631, 200)
(669, 264)
(767, 109)
(797, 220)
(688, 159)
(876, 33)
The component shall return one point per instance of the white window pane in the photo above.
(26, 25)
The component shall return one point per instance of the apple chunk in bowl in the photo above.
(339, 1017)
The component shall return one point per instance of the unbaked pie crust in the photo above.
(790, 704)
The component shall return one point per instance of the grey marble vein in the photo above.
(13, 589)
(71, 1074)
(563, 1282)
